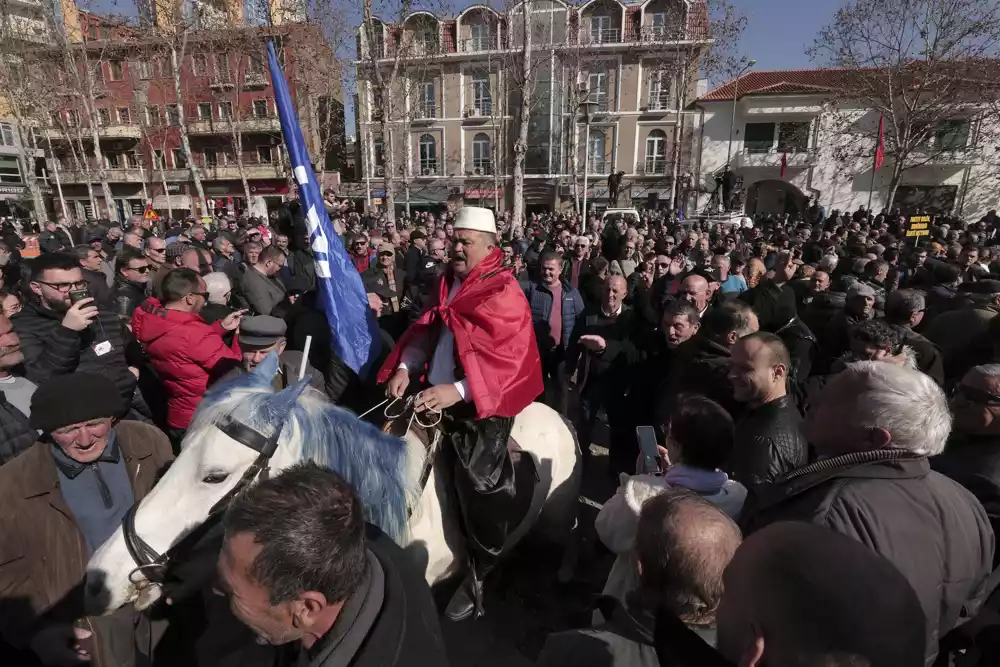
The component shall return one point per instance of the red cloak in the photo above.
(494, 338)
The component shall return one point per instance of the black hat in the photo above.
(261, 331)
(416, 235)
(74, 398)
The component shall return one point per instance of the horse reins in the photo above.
(153, 564)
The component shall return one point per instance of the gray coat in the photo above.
(261, 292)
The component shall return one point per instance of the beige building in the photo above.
(609, 85)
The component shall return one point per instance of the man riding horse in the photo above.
(475, 345)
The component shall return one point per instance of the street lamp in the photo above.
(736, 96)
(585, 106)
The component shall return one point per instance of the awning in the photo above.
(173, 202)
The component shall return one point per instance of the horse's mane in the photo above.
(379, 466)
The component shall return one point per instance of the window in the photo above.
(180, 162)
(254, 65)
(759, 137)
(72, 118)
(378, 149)
(656, 152)
(793, 137)
(260, 109)
(480, 40)
(597, 90)
(659, 91)
(482, 158)
(114, 160)
(222, 67)
(428, 155)
(225, 110)
(144, 69)
(158, 158)
(55, 119)
(173, 115)
(658, 25)
(103, 116)
(132, 160)
(124, 115)
(211, 157)
(199, 64)
(600, 30)
(6, 134)
(427, 39)
(596, 153)
(482, 102)
(953, 134)
(153, 116)
(428, 100)
(9, 171)
(264, 154)
(205, 110)
(115, 70)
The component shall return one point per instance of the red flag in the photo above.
(784, 163)
(880, 148)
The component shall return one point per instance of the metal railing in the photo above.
(601, 36)
(474, 44)
(480, 110)
(425, 111)
(595, 166)
(480, 168)
(654, 166)
(662, 33)
(429, 168)
(752, 147)
(660, 102)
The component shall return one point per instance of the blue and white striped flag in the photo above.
(353, 329)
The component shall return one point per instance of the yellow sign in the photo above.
(150, 214)
(918, 226)
(376, 201)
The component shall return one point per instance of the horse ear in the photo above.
(277, 406)
(266, 370)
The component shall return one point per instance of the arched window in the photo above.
(482, 156)
(428, 155)
(656, 152)
(596, 153)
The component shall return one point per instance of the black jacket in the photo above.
(929, 358)
(704, 370)
(51, 349)
(613, 367)
(392, 622)
(126, 296)
(15, 433)
(97, 285)
(927, 525)
(768, 443)
(974, 462)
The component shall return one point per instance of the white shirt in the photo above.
(442, 368)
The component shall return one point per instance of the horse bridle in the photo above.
(152, 564)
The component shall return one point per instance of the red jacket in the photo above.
(186, 352)
(494, 338)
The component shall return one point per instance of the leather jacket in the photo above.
(768, 443)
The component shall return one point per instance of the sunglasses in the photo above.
(139, 269)
(974, 395)
(203, 295)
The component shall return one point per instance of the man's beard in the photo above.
(57, 306)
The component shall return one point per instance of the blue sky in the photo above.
(778, 31)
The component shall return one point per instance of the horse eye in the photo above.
(215, 478)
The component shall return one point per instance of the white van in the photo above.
(629, 215)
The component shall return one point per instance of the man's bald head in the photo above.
(694, 289)
(683, 544)
(770, 605)
(615, 289)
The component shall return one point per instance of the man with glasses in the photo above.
(156, 252)
(184, 350)
(64, 330)
(575, 265)
(132, 273)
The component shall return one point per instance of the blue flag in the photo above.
(353, 330)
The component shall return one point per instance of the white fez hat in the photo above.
(473, 217)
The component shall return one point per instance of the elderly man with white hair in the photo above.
(873, 428)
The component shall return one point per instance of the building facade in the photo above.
(828, 150)
(608, 85)
(228, 111)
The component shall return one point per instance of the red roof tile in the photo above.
(779, 82)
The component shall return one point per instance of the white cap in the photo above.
(473, 217)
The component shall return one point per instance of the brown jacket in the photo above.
(43, 556)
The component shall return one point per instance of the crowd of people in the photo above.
(822, 390)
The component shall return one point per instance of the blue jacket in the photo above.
(540, 300)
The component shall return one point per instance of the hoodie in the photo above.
(619, 518)
(186, 352)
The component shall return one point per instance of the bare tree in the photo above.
(922, 65)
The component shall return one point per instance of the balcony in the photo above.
(596, 37)
(659, 103)
(231, 172)
(751, 157)
(425, 113)
(252, 80)
(598, 167)
(123, 175)
(222, 83)
(653, 166)
(270, 124)
(104, 132)
(478, 112)
(661, 33)
(946, 157)
(479, 168)
(429, 169)
(478, 44)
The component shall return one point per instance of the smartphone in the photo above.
(650, 455)
(78, 294)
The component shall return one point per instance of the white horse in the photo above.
(385, 471)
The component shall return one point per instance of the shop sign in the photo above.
(483, 193)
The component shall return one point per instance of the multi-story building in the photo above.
(608, 82)
(764, 118)
(228, 111)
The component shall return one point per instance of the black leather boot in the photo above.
(467, 600)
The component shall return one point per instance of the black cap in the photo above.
(260, 331)
(74, 398)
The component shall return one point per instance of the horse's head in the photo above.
(213, 460)
(215, 456)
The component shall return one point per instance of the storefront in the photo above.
(485, 197)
